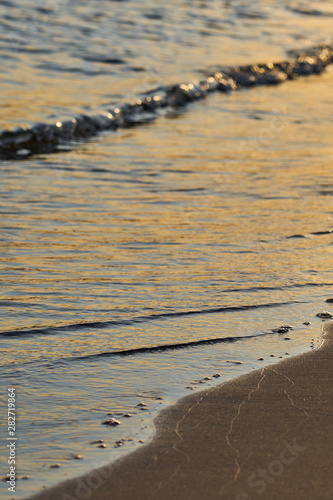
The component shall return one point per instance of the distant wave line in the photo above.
(22, 304)
(168, 347)
(49, 330)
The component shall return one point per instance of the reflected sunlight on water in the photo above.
(158, 235)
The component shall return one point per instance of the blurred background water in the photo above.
(212, 223)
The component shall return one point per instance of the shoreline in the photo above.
(264, 433)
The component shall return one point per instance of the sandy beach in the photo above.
(263, 435)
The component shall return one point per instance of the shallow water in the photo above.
(158, 235)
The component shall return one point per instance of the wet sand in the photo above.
(264, 435)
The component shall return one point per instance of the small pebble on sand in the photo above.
(260, 359)
(121, 442)
(103, 445)
(55, 466)
(325, 315)
(112, 422)
(78, 456)
(282, 329)
(217, 375)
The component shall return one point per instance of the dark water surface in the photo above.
(123, 258)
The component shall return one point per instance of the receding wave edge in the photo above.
(49, 330)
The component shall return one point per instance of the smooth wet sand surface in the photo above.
(264, 435)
